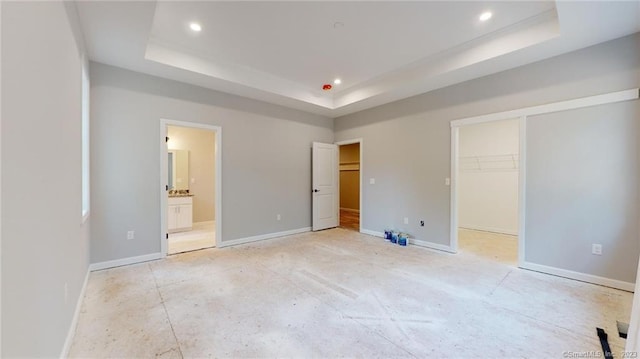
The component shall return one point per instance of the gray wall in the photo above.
(582, 188)
(44, 243)
(266, 159)
(407, 143)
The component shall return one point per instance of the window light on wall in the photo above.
(85, 141)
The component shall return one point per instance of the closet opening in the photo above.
(350, 183)
(487, 184)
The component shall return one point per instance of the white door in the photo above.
(324, 186)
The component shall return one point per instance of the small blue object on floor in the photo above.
(403, 239)
(394, 237)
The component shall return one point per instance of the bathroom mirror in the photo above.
(178, 169)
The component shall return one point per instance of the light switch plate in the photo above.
(372, 181)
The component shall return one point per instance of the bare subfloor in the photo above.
(340, 293)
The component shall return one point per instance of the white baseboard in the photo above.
(74, 322)
(489, 229)
(415, 242)
(629, 287)
(125, 261)
(235, 242)
(589, 278)
(436, 246)
(349, 210)
(372, 233)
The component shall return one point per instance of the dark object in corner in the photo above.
(623, 329)
(606, 349)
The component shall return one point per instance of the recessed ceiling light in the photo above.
(195, 27)
(337, 81)
(486, 16)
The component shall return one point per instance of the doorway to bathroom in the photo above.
(190, 172)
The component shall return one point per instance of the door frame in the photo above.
(455, 142)
(350, 142)
(523, 114)
(164, 172)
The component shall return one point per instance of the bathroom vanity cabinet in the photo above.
(180, 214)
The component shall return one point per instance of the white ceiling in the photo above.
(283, 52)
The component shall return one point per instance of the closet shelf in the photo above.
(489, 163)
(350, 166)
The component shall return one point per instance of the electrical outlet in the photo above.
(421, 223)
(596, 249)
(131, 234)
(447, 181)
(278, 217)
(372, 181)
(406, 220)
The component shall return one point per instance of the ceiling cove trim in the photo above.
(410, 78)
(626, 95)
(405, 81)
(240, 75)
